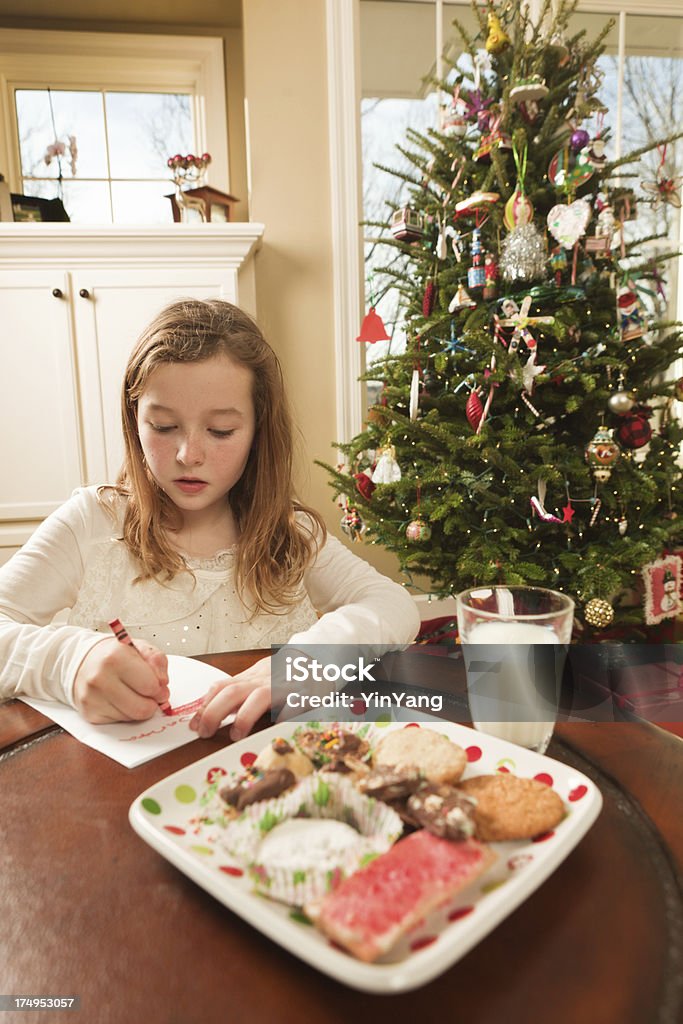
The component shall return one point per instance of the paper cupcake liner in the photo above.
(323, 795)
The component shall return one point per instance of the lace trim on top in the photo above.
(221, 560)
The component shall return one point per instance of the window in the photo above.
(115, 144)
(112, 109)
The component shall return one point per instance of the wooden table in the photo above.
(88, 909)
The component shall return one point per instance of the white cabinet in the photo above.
(72, 303)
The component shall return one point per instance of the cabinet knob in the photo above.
(84, 293)
(58, 293)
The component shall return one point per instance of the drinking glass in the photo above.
(515, 642)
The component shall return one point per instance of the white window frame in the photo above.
(343, 62)
(31, 58)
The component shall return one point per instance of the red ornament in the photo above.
(428, 299)
(634, 430)
(372, 329)
(474, 410)
(364, 484)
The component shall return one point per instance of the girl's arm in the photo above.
(357, 604)
(41, 659)
(36, 658)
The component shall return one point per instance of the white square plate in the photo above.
(166, 814)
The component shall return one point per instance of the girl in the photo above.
(199, 547)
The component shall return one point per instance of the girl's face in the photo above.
(196, 423)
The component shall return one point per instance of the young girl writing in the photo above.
(200, 546)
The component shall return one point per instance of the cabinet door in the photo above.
(41, 456)
(112, 307)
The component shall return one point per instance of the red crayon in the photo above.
(121, 634)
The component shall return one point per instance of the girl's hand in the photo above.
(247, 693)
(114, 684)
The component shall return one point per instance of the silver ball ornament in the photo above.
(523, 255)
(620, 403)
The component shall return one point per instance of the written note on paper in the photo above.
(133, 743)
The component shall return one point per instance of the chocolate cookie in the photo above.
(437, 758)
(255, 786)
(334, 749)
(443, 811)
(388, 784)
(510, 807)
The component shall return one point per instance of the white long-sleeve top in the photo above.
(75, 560)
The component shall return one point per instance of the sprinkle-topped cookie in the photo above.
(255, 785)
(334, 749)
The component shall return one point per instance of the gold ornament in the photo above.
(598, 613)
(498, 39)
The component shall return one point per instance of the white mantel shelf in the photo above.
(228, 244)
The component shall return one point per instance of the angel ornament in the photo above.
(387, 469)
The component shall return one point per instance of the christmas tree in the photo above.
(528, 432)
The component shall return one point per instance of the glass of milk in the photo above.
(515, 642)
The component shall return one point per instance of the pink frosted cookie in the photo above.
(369, 911)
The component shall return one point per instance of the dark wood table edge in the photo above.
(20, 722)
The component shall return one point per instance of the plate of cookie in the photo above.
(384, 851)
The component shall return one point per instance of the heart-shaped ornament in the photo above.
(568, 223)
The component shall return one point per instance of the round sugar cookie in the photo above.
(510, 807)
(281, 754)
(436, 757)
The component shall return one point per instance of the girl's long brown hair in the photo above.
(274, 548)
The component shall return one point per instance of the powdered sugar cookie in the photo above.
(436, 757)
(281, 754)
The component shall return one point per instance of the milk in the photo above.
(514, 671)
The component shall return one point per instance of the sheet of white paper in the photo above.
(133, 743)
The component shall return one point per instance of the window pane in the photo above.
(144, 130)
(79, 114)
(653, 109)
(142, 202)
(86, 202)
(384, 122)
